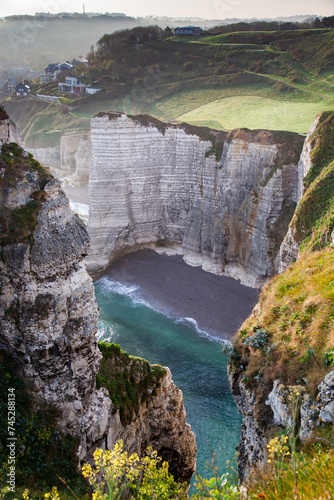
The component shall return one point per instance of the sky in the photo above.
(208, 9)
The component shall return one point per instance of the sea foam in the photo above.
(133, 292)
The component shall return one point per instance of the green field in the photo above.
(256, 113)
(273, 80)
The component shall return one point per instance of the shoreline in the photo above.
(218, 304)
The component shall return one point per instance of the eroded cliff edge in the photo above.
(284, 351)
(49, 316)
(222, 200)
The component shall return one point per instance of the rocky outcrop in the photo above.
(285, 407)
(222, 200)
(8, 130)
(252, 447)
(290, 247)
(48, 311)
(49, 316)
(161, 424)
(311, 412)
(71, 160)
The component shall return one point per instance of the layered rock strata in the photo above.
(48, 311)
(71, 160)
(290, 247)
(222, 200)
(49, 317)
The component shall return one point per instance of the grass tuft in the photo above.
(129, 380)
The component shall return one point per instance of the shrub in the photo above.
(120, 474)
(329, 357)
(258, 341)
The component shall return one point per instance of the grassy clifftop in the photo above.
(313, 222)
(129, 380)
(42, 124)
(290, 335)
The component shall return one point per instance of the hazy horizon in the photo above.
(214, 9)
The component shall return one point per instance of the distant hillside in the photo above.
(34, 41)
(275, 80)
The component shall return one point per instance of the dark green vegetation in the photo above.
(314, 220)
(285, 66)
(281, 64)
(129, 380)
(325, 22)
(118, 63)
(41, 452)
(17, 225)
(3, 114)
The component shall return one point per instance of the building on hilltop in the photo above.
(52, 71)
(9, 86)
(51, 68)
(64, 66)
(71, 84)
(188, 30)
(22, 89)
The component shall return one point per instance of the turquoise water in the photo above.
(195, 360)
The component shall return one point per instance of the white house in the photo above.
(92, 90)
(71, 84)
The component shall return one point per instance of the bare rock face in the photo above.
(289, 250)
(48, 311)
(8, 130)
(71, 160)
(49, 317)
(224, 201)
(254, 436)
(252, 449)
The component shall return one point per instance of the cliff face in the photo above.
(48, 312)
(161, 424)
(224, 201)
(276, 411)
(8, 130)
(290, 247)
(285, 348)
(71, 160)
(49, 316)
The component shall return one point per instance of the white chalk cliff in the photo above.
(222, 200)
(70, 161)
